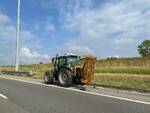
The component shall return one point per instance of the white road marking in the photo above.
(87, 92)
(3, 96)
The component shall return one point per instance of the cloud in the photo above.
(4, 19)
(111, 28)
(29, 56)
(49, 27)
(78, 49)
(45, 26)
(8, 40)
(124, 40)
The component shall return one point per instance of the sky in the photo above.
(102, 28)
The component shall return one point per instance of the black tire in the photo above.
(48, 77)
(65, 78)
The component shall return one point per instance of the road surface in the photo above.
(35, 98)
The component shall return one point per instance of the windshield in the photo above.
(72, 60)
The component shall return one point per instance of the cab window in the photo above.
(62, 62)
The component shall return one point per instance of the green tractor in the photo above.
(70, 69)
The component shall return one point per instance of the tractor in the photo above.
(70, 70)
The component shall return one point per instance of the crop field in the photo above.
(124, 62)
(128, 73)
(125, 81)
(124, 70)
(124, 66)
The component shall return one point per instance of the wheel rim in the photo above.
(63, 78)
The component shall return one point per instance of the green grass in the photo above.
(125, 70)
(141, 82)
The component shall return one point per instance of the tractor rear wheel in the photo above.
(64, 77)
(48, 77)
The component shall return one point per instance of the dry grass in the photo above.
(132, 73)
(123, 81)
(7, 67)
(124, 65)
(37, 69)
(124, 62)
(124, 70)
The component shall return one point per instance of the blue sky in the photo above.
(99, 27)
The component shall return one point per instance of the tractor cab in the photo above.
(65, 61)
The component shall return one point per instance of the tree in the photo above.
(40, 62)
(144, 48)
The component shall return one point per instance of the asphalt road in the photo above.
(33, 98)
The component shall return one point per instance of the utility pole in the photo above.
(17, 37)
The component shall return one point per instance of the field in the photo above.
(124, 62)
(124, 70)
(125, 81)
(124, 65)
(129, 73)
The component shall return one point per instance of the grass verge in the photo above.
(37, 69)
(124, 70)
(123, 81)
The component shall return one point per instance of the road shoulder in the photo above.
(97, 90)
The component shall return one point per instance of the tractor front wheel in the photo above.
(48, 77)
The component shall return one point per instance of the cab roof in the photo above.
(65, 56)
